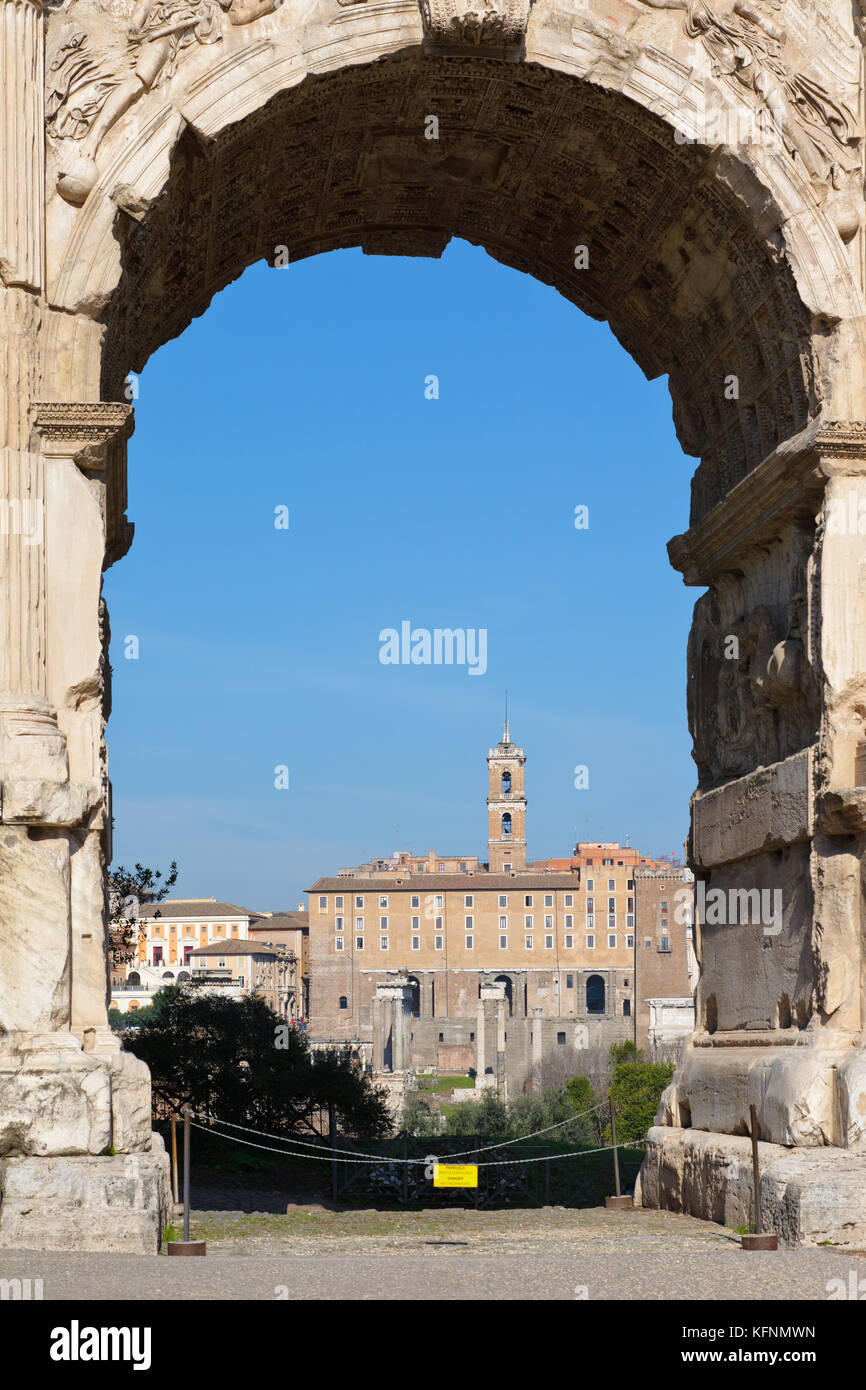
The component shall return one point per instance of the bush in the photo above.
(636, 1090)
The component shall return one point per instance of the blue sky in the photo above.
(259, 647)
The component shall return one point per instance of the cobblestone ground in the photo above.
(311, 1252)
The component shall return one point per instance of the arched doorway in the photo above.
(415, 986)
(509, 991)
(730, 268)
(595, 995)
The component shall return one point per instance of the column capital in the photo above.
(81, 429)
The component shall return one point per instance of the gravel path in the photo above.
(312, 1253)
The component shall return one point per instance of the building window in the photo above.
(416, 943)
(506, 868)
(569, 900)
(590, 920)
(569, 982)
(438, 901)
(469, 943)
(664, 907)
(665, 946)
(344, 1003)
(569, 943)
(416, 923)
(527, 921)
(527, 900)
(629, 907)
(548, 920)
(607, 863)
(503, 899)
(359, 924)
(630, 885)
(648, 943)
(611, 904)
(439, 940)
(595, 995)
(468, 900)
(338, 923)
(528, 942)
(383, 923)
(359, 900)
(323, 902)
(611, 942)
(463, 868)
(590, 943)
(383, 899)
(589, 885)
(416, 901)
(469, 923)
(441, 868)
(503, 943)
(338, 944)
(629, 921)
(569, 919)
(611, 919)
(611, 885)
(383, 943)
(506, 783)
(338, 902)
(440, 922)
(548, 900)
(548, 943)
(359, 943)
(590, 905)
(629, 943)
(626, 1008)
(503, 922)
(506, 826)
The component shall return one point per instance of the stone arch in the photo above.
(263, 132)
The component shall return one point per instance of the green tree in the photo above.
(417, 1118)
(126, 891)
(625, 1052)
(238, 1061)
(636, 1090)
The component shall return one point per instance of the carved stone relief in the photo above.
(747, 48)
(753, 695)
(92, 83)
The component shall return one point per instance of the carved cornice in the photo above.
(82, 429)
(786, 486)
(845, 439)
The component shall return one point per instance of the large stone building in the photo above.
(560, 943)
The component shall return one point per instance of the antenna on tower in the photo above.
(506, 738)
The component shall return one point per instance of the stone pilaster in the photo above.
(22, 139)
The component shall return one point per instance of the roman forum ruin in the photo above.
(693, 173)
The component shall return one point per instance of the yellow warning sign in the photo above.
(456, 1175)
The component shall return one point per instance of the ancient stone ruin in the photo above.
(691, 172)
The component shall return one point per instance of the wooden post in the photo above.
(405, 1170)
(615, 1150)
(332, 1127)
(174, 1189)
(757, 1240)
(756, 1171)
(186, 1148)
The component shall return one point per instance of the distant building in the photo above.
(665, 966)
(557, 938)
(290, 930)
(236, 968)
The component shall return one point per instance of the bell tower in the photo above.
(506, 806)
